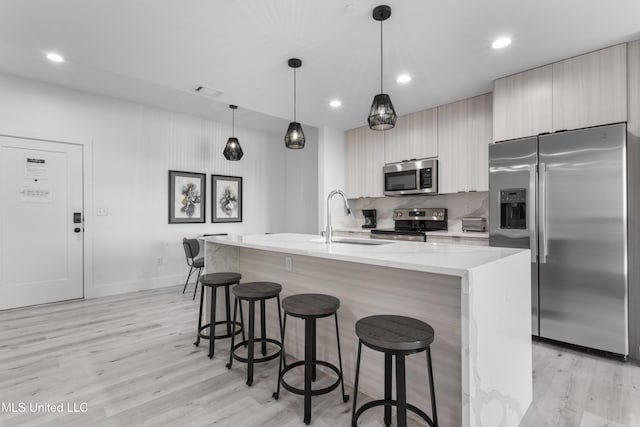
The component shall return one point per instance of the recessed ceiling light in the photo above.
(403, 78)
(335, 103)
(55, 57)
(501, 42)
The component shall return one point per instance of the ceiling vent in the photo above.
(207, 91)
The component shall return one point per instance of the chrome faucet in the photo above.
(347, 209)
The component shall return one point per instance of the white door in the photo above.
(40, 245)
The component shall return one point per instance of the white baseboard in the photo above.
(107, 289)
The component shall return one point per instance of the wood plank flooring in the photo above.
(131, 359)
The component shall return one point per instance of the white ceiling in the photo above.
(156, 51)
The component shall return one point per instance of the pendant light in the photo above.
(294, 138)
(233, 151)
(382, 115)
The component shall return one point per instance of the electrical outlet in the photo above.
(288, 263)
(159, 260)
(102, 211)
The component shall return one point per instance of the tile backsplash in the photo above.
(458, 205)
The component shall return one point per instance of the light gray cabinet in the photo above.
(522, 104)
(415, 136)
(591, 89)
(587, 90)
(464, 135)
(364, 158)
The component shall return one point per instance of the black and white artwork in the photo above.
(187, 197)
(226, 198)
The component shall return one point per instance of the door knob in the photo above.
(77, 229)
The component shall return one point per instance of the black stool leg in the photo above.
(355, 386)
(401, 391)
(276, 394)
(309, 357)
(228, 307)
(252, 309)
(212, 327)
(345, 398)
(313, 352)
(263, 325)
(432, 389)
(387, 387)
(241, 325)
(197, 281)
(187, 281)
(233, 337)
(281, 332)
(197, 343)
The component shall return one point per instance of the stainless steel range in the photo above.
(413, 224)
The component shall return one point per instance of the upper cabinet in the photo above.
(590, 89)
(587, 90)
(364, 158)
(415, 136)
(464, 135)
(522, 104)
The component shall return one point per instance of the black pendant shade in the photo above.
(233, 151)
(294, 138)
(382, 115)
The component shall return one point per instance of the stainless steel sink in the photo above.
(360, 242)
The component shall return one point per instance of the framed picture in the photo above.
(187, 197)
(226, 201)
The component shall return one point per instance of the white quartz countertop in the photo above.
(454, 260)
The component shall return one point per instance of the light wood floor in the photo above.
(131, 359)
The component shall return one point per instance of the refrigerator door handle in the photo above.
(543, 247)
(533, 232)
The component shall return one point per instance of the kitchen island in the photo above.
(476, 298)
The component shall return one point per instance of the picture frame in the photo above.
(226, 198)
(187, 197)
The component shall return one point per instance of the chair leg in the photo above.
(401, 391)
(228, 309)
(313, 354)
(276, 394)
(233, 336)
(387, 387)
(432, 389)
(197, 343)
(252, 309)
(309, 357)
(197, 281)
(244, 339)
(188, 277)
(212, 327)
(345, 398)
(263, 325)
(281, 332)
(355, 385)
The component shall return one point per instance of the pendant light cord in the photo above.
(294, 94)
(233, 122)
(381, 58)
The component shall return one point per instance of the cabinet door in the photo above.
(453, 134)
(364, 158)
(522, 104)
(591, 89)
(479, 120)
(415, 136)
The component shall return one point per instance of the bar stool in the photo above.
(214, 281)
(396, 336)
(310, 307)
(253, 292)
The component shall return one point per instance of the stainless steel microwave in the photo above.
(411, 177)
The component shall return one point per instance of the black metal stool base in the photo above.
(255, 359)
(222, 322)
(389, 403)
(316, 392)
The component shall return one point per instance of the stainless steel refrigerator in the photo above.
(564, 196)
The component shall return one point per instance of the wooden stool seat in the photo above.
(220, 279)
(257, 290)
(394, 333)
(310, 305)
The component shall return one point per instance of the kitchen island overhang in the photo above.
(477, 299)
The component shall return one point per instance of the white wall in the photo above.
(133, 147)
(331, 166)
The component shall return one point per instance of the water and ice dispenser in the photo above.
(513, 208)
